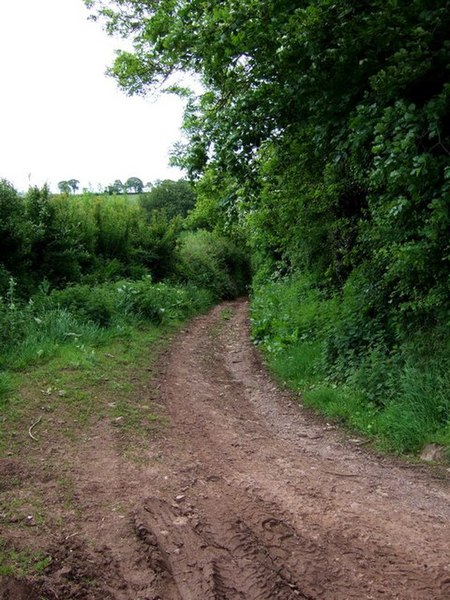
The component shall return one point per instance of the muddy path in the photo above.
(244, 496)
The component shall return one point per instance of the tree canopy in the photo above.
(74, 184)
(135, 184)
(64, 187)
(69, 186)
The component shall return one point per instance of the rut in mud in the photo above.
(245, 496)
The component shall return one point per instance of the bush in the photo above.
(174, 198)
(208, 260)
(160, 302)
(87, 315)
(128, 301)
(95, 304)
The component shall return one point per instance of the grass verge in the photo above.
(82, 384)
(398, 395)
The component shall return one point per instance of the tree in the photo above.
(115, 188)
(135, 184)
(64, 187)
(330, 120)
(74, 184)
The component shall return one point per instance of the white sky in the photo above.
(60, 116)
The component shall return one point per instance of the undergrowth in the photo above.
(398, 393)
(70, 325)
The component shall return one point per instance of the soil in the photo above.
(244, 495)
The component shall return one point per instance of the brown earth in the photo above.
(245, 495)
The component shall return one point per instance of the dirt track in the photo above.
(244, 496)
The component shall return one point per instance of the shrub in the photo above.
(208, 260)
(96, 304)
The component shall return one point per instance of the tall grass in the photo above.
(85, 315)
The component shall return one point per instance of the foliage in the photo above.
(64, 240)
(115, 188)
(81, 314)
(79, 270)
(64, 187)
(157, 249)
(399, 395)
(130, 300)
(337, 113)
(211, 261)
(135, 184)
(74, 185)
(13, 245)
(175, 198)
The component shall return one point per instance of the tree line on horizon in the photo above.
(131, 185)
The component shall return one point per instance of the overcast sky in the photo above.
(60, 116)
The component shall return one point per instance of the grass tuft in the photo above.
(22, 563)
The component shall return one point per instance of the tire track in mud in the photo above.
(203, 565)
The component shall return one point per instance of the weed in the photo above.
(226, 314)
(21, 563)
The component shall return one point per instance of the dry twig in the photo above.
(30, 429)
(342, 474)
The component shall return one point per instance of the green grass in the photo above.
(7, 384)
(21, 563)
(67, 330)
(414, 416)
(80, 355)
(81, 385)
(300, 368)
(398, 397)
